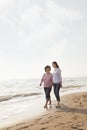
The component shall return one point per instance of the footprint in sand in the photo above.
(80, 124)
(56, 126)
(38, 119)
(73, 109)
(22, 128)
(9, 128)
(43, 128)
(31, 124)
(50, 117)
(57, 116)
(45, 115)
(61, 124)
(75, 117)
(80, 129)
(44, 123)
(74, 127)
(84, 96)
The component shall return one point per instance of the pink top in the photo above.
(47, 79)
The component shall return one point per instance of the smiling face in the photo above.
(54, 65)
(47, 69)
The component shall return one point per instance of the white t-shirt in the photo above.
(57, 78)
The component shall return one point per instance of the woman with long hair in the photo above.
(57, 81)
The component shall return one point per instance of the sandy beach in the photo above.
(71, 115)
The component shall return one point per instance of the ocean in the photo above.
(18, 96)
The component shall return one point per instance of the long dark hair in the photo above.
(54, 62)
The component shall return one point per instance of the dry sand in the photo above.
(72, 115)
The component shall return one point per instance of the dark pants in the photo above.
(56, 91)
(47, 91)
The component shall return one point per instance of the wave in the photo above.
(72, 86)
(9, 97)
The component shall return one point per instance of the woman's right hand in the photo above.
(40, 84)
(61, 85)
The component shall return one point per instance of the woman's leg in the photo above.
(47, 94)
(45, 90)
(56, 91)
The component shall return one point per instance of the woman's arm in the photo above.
(42, 80)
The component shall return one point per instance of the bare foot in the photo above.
(58, 104)
(45, 106)
(50, 102)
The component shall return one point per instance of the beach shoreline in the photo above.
(72, 115)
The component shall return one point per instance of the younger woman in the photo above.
(48, 81)
(57, 81)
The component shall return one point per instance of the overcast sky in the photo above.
(33, 33)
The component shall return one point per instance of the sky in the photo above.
(34, 33)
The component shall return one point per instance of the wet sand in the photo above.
(71, 115)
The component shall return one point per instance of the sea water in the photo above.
(21, 98)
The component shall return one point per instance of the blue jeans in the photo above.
(56, 91)
(47, 91)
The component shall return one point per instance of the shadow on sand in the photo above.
(73, 110)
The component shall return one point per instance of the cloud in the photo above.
(5, 3)
(41, 26)
(33, 33)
